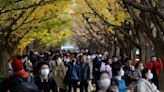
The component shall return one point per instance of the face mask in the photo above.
(150, 76)
(141, 68)
(115, 60)
(45, 72)
(122, 72)
(67, 60)
(154, 59)
(104, 83)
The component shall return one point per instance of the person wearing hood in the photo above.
(45, 82)
(144, 84)
(13, 83)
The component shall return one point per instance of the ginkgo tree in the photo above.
(23, 21)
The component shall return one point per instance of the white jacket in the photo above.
(146, 86)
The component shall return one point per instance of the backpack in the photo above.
(26, 85)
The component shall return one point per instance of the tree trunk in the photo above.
(142, 48)
(4, 58)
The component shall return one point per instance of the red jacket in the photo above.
(158, 65)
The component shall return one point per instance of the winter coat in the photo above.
(146, 86)
(58, 73)
(46, 85)
(84, 72)
(106, 68)
(157, 65)
(70, 74)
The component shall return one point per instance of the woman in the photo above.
(105, 66)
(138, 70)
(59, 72)
(44, 82)
(118, 72)
(104, 82)
(144, 85)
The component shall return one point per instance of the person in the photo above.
(84, 74)
(144, 85)
(117, 73)
(138, 70)
(58, 73)
(105, 66)
(20, 81)
(45, 82)
(72, 77)
(155, 64)
(129, 71)
(114, 86)
(104, 81)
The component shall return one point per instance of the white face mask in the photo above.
(154, 58)
(141, 68)
(122, 72)
(104, 83)
(150, 76)
(45, 72)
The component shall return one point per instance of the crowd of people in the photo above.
(68, 71)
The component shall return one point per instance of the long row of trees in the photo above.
(25, 21)
(121, 26)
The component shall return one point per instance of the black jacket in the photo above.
(46, 85)
(84, 72)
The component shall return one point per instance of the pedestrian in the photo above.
(117, 73)
(45, 82)
(20, 81)
(104, 81)
(84, 74)
(105, 66)
(144, 84)
(129, 71)
(72, 77)
(58, 73)
(155, 64)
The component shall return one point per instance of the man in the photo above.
(84, 74)
(155, 64)
(129, 70)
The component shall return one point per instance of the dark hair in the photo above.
(100, 73)
(39, 65)
(137, 64)
(144, 71)
(116, 66)
(127, 59)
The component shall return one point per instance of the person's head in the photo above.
(43, 69)
(17, 65)
(114, 58)
(154, 58)
(104, 80)
(128, 62)
(109, 61)
(117, 69)
(147, 74)
(84, 58)
(139, 66)
(114, 87)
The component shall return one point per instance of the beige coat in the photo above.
(146, 86)
(59, 72)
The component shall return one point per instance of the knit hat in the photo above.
(17, 65)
